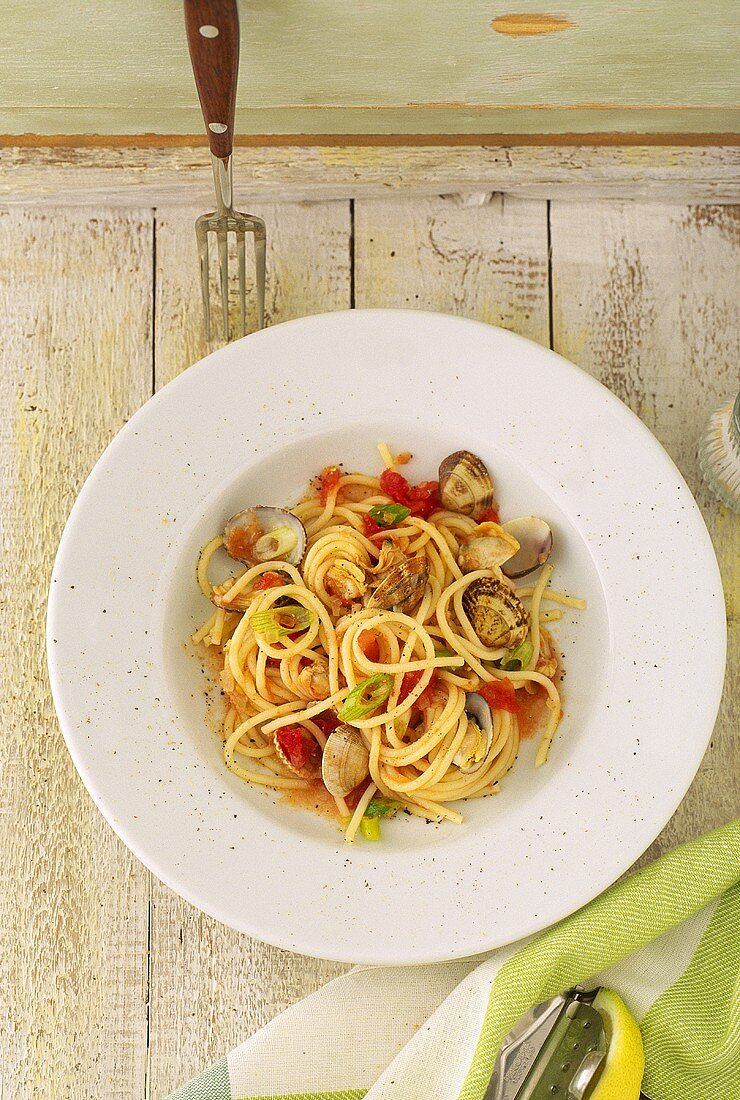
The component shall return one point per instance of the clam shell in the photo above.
(346, 761)
(497, 615)
(486, 547)
(465, 484)
(476, 745)
(535, 545)
(402, 586)
(245, 531)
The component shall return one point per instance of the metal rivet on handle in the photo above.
(217, 127)
(208, 30)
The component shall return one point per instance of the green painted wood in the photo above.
(378, 66)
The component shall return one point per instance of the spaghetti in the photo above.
(373, 641)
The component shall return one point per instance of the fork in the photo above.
(213, 40)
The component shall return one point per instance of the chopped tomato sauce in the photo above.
(421, 499)
(500, 695)
(326, 721)
(368, 642)
(490, 516)
(354, 796)
(369, 526)
(267, 580)
(395, 486)
(297, 744)
(409, 682)
(241, 538)
(330, 476)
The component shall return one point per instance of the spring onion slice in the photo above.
(365, 699)
(277, 622)
(518, 659)
(276, 544)
(386, 515)
(381, 807)
(370, 828)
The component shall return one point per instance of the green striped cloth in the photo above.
(667, 939)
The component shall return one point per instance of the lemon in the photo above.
(625, 1060)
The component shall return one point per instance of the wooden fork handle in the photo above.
(213, 40)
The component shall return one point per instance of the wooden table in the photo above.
(113, 985)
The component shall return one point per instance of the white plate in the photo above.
(249, 424)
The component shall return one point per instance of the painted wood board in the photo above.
(211, 987)
(645, 299)
(155, 176)
(665, 275)
(377, 67)
(73, 903)
(484, 256)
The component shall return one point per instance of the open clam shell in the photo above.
(263, 533)
(486, 547)
(497, 615)
(346, 761)
(535, 545)
(476, 745)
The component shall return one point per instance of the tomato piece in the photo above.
(370, 527)
(330, 476)
(425, 699)
(326, 721)
(409, 682)
(267, 580)
(395, 486)
(369, 644)
(490, 516)
(354, 796)
(424, 499)
(500, 695)
(297, 744)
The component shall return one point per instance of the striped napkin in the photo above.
(667, 939)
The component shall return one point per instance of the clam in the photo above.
(476, 744)
(535, 545)
(314, 681)
(265, 534)
(402, 586)
(312, 767)
(239, 602)
(346, 761)
(497, 615)
(390, 555)
(465, 484)
(345, 580)
(487, 546)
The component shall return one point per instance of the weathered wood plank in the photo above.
(379, 67)
(484, 257)
(73, 901)
(212, 987)
(645, 298)
(122, 176)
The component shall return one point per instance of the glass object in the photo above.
(719, 453)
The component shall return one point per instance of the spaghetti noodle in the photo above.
(374, 635)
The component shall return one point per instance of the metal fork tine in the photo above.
(242, 265)
(259, 259)
(202, 238)
(223, 260)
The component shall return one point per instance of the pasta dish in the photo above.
(384, 640)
